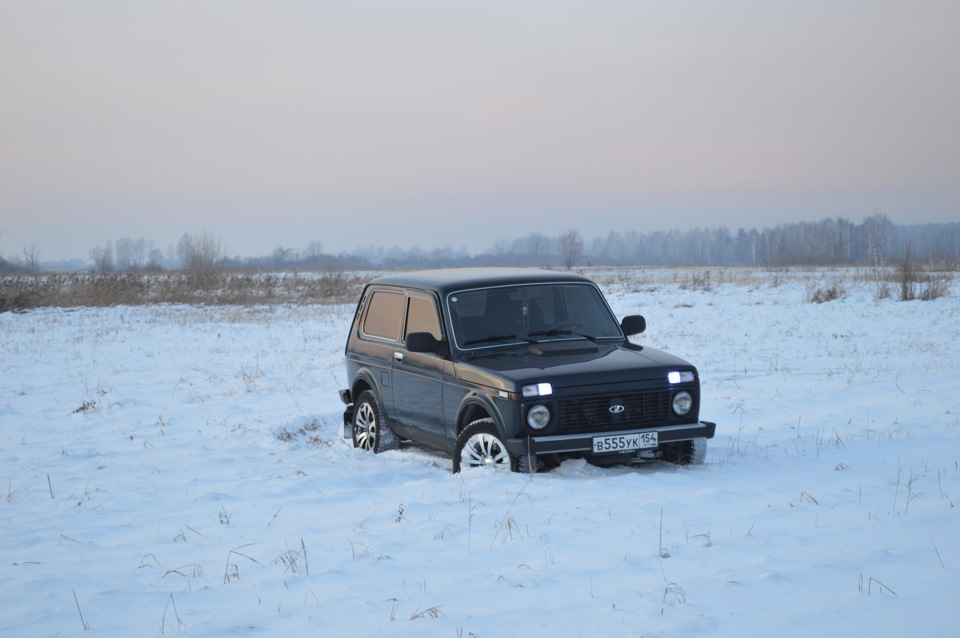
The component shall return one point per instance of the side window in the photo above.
(384, 316)
(422, 316)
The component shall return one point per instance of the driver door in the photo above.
(418, 376)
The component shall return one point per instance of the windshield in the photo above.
(531, 313)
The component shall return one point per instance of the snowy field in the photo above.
(178, 470)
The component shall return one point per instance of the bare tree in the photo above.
(185, 250)
(102, 257)
(200, 257)
(314, 251)
(283, 257)
(500, 249)
(155, 260)
(537, 244)
(615, 247)
(843, 240)
(571, 248)
(31, 257)
(5, 265)
(130, 253)
(879, 232)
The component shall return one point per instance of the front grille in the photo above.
(594, 413)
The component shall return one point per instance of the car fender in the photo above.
(367, 376)
(476, 400)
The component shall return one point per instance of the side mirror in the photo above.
(633, 325)
(423, 342)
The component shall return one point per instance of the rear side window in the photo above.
(384, 316)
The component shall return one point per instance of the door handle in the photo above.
(398, 357)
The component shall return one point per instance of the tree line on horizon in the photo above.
(876, 241)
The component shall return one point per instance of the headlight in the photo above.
(538, 417)
(537, 390)
(682, 402)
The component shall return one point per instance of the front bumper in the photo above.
(584, 442)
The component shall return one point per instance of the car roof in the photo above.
(448, 280)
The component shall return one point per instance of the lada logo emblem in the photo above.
(616, 409)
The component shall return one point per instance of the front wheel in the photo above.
(693, 452)
(698, 451)
(480, 445)
(370, 430)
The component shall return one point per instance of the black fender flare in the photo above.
(369, 379)
(476, 400)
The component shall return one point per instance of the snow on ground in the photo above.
(175, 470)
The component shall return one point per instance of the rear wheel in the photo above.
(370, 429)
(480, 445)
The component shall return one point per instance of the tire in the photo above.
(698, 455)
(480, 445)
(693, 452)
(370, 429)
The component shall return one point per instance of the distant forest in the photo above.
(876, 242)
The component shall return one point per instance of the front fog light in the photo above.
(538, 417)
(682, 402)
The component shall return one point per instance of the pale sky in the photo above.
(459, 122)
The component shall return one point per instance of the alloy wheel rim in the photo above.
(366, 427)
(485, 450)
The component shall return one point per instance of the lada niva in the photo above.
(513, 369)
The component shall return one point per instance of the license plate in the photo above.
(624, 442)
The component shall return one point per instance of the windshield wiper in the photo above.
(554, 332)
(474, 342)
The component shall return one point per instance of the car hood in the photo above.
(568, 364)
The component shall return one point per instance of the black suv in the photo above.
(513, 368)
